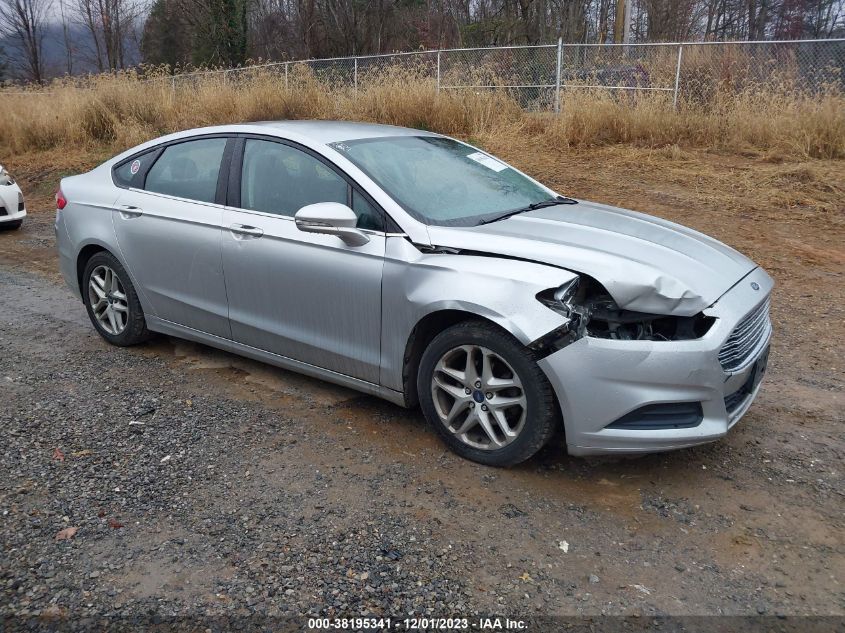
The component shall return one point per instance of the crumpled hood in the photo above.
(647, 264)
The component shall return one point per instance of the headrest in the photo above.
(183, 168)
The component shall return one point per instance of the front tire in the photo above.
(485, 395)
(112, 303)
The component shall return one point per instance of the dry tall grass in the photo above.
(118, 112)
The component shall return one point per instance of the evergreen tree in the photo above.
(164, 40)
(204, 33)
(221, 35)
(4, 66)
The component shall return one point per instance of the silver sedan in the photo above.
(414, 267)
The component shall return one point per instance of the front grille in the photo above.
(746, 338)
(20, 202)
(3, 211)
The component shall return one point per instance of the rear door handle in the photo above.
(243, 229)
(130, 211)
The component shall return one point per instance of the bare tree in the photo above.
(572, 18)
(22, 21)
(824, 17)
(204, 30)
(109, 22)
(670, 19)
(67, 39)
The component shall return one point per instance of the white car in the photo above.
(12, 208)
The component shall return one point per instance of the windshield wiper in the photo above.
(551, 202)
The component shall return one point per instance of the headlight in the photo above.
(560, 299)
(5, 177)
(591, 311)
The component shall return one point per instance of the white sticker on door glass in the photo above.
(488, 161)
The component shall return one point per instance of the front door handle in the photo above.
(130, 211)
(243, 229)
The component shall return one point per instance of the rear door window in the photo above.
(188, 170)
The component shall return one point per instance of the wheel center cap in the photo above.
(478, 396)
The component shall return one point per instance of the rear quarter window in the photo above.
(124, 174)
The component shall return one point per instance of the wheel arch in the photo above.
(423, 332)
(91, 248)
(84, 256)
(539, 396)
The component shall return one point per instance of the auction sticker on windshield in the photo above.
(487, 161)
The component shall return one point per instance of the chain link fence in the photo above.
(542, 77)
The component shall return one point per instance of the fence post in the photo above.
(172, 88)
(438, 72)
(356, 74)
(286, 74)
(557, 74)
(678, 76)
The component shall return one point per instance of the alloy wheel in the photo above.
(108, 300)
(478, 397)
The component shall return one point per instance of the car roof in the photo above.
(315, 132)
(335, 131)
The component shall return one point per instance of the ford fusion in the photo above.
(414, 267)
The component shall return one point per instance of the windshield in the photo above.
(441, 181)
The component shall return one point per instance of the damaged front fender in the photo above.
(499, 289)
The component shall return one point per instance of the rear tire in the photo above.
(484, 394)
(111, 301)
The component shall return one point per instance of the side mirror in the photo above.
(331, 218)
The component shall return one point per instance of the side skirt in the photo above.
(169, 328)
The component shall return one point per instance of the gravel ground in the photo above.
(176, 480)
(185, 500)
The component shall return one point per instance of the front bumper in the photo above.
(597, 381)
(12, 207)
(13, 217)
